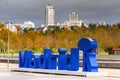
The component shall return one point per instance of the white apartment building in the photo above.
(101, 23)
(27, 24)
(11, 27)
(49, 15)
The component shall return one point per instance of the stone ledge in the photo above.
(101, 63)
(60, 72)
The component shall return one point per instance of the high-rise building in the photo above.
(73, 20)
(49, 14)
(73, 17)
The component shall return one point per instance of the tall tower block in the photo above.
(49, 15)
(73, 17)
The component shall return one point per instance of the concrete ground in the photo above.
(6, 74)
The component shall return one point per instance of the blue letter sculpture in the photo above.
(49, 61)
(68, 61)
(62, 65)
(65, 61)
(25, 59)
(74, 59)
(87, 45)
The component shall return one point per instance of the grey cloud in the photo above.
(88, 10)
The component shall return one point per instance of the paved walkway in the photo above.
(6, 74)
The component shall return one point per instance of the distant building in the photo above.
(27, 24)
(11, 27)
(114, 51)
(19, 27)
(101, 23)
(73, 17)
(49, 15)
(73, 20)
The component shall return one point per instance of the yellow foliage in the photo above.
(68, 38)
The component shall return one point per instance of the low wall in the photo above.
(103, 63)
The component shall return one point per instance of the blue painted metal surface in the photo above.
(25, 59)
(41, 61)
(28, 59)
(49, 59)
(47, 56)
(87, 45)
(74, 59)
(35, 61)
(62, 61)
(68, 61)
(62, 50)
(91, 62)
(21, 59)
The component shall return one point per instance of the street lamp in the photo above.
(8, 25)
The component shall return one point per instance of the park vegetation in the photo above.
(30, 39)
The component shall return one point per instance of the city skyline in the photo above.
(89, 11)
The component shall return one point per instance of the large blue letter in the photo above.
(74, 60)
(62, 59)
(21, 59)
(49, 61)
(87, 45)
(25, 59)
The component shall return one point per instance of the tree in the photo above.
(92, 26)
(73, 27)
(18, 27)
(1, 25)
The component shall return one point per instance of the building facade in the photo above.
(10, 26)
(49, 15)
(73, 17)
(73, 20)
(27, 24)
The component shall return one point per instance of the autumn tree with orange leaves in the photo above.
(106, 36)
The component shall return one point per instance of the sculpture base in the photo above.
(60, 72)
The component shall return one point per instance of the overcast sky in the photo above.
(90, 11)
